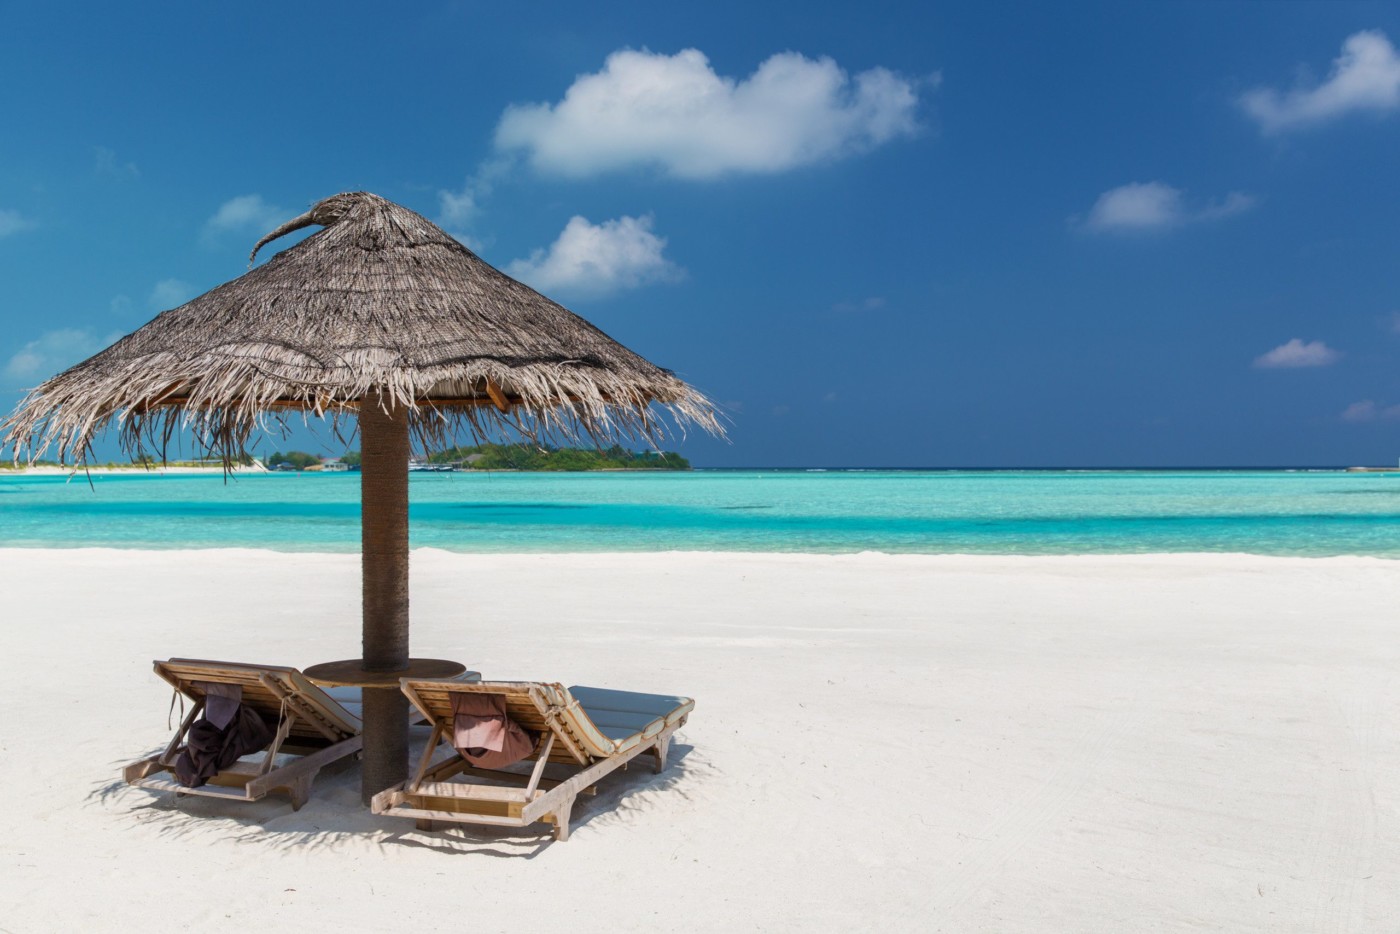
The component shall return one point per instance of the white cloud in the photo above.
(1366, 76)
(109, 165)
(1141, 206)
(457, 208)
(675, 113)
(1367, 411)
(12, 222)
(247, 213)
(1297, 353)
(1363, 411)
(1236, 202)
(1136, 206)
(170, 293)
(596, 259)
(54, 351)
(873, 303)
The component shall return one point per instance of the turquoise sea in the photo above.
(999, 512)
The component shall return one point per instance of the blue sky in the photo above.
(884, 234)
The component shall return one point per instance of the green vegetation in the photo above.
(477, 457)
(139, 462)
(296, 460)
(8, 464)
(152, 461)
(531, 457)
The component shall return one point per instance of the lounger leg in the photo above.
(663, 746)
(561, 820)
(301, 790)
(424, 825)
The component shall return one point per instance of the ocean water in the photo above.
(936, 512)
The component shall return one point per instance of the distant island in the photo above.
(532, 457)
(522, 457)
(144, 462)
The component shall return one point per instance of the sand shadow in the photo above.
(615, 803)
(334, 817)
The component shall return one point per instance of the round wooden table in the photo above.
(350, 673)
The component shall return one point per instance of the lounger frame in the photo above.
(311, 726)
(430, 795)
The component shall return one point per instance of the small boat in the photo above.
(418, 466)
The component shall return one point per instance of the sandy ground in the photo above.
(908, 743)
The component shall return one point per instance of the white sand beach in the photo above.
(1147, 743)
(78, 473)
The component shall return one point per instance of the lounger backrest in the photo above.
(537, 706)
(318, 716)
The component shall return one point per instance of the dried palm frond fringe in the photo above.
(380, 305)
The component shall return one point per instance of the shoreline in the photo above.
(51, 470)
(429, 551)
(731, 553)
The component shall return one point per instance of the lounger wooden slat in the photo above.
(592, 731)
(312, 730)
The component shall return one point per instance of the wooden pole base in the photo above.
(385, 761)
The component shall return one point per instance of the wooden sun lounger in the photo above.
(592, 730)
(310, 724)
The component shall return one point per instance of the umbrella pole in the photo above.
(384, 449)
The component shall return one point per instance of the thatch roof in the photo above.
(380, 302)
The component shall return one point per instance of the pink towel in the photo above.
(484, 735)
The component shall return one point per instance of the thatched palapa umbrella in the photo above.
(384, 316)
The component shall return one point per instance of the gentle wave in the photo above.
(937, 512)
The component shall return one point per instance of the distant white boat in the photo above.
(425, 467)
